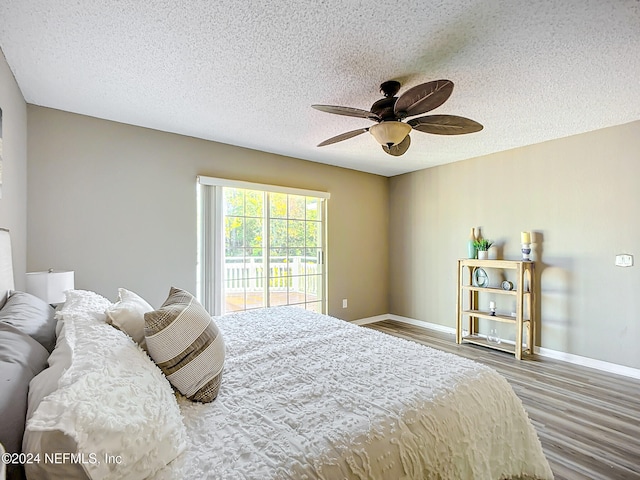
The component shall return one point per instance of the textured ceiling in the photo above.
(246, 72)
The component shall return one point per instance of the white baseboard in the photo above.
(377, 318)
(589, 362)
(544, 352)
(422, 323)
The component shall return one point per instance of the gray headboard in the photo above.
(6, 265)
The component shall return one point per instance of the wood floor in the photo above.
(588, 421)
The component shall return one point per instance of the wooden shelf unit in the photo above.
(468, 306)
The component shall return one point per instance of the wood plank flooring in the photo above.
(588, 421)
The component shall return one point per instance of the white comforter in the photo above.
(308, 396)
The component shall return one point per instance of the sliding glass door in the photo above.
(270, 248)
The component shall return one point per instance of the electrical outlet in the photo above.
(624, 260)
(344, 303)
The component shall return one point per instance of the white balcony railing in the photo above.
(297, 274)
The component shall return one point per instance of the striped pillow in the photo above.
(186, 344)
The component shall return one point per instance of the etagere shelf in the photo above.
(468, 306)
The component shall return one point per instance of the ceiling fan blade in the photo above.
(348, 111)
(423, 98)
(343, 136)
(399, 149)
(445, 124)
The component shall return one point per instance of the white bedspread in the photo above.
(308, 396)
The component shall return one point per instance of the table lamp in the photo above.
(50, 285)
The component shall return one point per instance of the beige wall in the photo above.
(116, 203)
(579, 194)
(13, 204)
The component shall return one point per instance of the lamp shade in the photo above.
(50, 286)
(390, 133)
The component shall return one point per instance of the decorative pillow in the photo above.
(32, 316)
(127, 314)
(186, 344)
(21, 358)
(112, 402)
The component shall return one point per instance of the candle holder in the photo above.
(526, 251)
(492, 308)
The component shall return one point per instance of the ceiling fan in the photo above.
(388, 113)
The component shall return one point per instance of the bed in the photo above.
(300, 395)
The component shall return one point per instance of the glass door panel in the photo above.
(273, 250)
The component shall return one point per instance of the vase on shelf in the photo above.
(483, 254)
(471, 248)
(493, 336)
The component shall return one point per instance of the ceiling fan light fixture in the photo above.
(390, 133)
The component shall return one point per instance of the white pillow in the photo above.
(112, 401)
(128, 315)
(84, 302)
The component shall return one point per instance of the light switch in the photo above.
(624, 260)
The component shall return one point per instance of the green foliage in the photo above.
(482, 244)
(293, 221)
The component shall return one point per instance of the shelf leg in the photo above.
(519, 312)
(459, 307)
(532, 310)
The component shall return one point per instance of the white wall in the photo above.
(579, 195)
(13, 204)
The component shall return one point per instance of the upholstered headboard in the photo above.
(6, 265)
